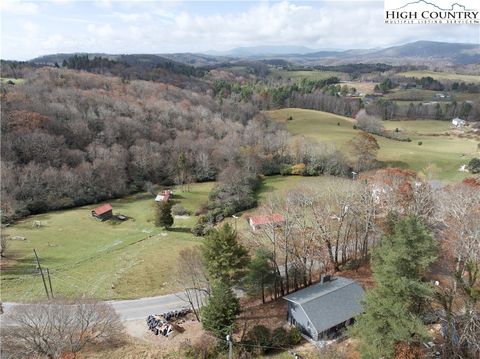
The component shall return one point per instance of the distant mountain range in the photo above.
(420, 52)
(264, 51)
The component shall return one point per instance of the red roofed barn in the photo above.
(257, 222)
(104, 212)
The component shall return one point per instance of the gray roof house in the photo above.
(322, 310)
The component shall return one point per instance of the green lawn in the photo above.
(126, 260)
(441, 76)
(448, 153)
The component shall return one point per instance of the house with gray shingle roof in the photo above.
(322, 310)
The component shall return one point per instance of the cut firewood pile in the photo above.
(166, 323)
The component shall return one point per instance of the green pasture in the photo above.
(315, 75)
(437, 75)
(447, 153)
(100, 259)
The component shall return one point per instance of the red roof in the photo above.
(266, 219)
(102, 209)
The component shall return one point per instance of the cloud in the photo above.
(100, 30)
(18, 7)
(156, 27)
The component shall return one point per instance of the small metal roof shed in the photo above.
(330, 303)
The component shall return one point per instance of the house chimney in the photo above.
(325, 278)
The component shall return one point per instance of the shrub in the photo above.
(259, 336)
(298, 169)
(295, 337)
(354, 127)
(202, 209)
(285, 170)
(408, 139)
(205, 347)
(474, 165)
(280, 337)
(199, 229)
(420, 143)
(353, 264)
(179, 210)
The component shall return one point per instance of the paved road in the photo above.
(137, 308)
(141, 308)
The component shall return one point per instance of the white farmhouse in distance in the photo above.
(458, 122)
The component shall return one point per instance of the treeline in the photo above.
(322, 95)
(72, 138)
(388, 109)
(140, 67)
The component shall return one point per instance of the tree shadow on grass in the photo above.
(179, 229)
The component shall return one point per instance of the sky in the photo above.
(33, 28)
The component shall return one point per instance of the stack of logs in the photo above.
(159, 324)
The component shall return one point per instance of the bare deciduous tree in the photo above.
(57, 328)
(193, 278)
(3, 244)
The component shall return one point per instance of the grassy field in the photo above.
(441, 76)
(419, 127)
(413, 95)
(4, 80)
(364, 87)
(130, 259)
(447, 153)
(311, 75)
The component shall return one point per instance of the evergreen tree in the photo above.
(225, 259)
(218, 316)
(163, 215)
(392, 309)
(260, 274)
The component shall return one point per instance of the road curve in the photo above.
(133, 309)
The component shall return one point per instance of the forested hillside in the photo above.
(71, 138)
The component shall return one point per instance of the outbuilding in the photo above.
(258, 222)
(163, 196)
(103, 212)
(322, 310)
(458, 122)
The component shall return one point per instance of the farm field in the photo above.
(447, 153)
(126, 260)
(364, 87)
(413, 95)
(310, 75)
(441, 76)
(131, 259)
(419, 127)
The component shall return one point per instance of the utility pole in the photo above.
(41, 272)
(235, 217)
(50, 283)
(230, 347)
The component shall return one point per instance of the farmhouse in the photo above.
(458, 122)
(103, 212)
(258, 222)
(163, 196)
(322, 310)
